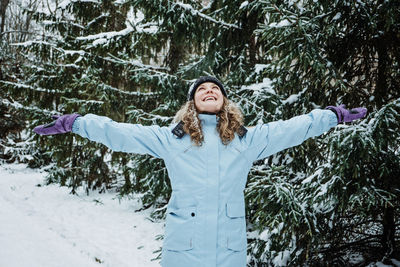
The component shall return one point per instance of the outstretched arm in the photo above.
(125, 137)
(267, 139)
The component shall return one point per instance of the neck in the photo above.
(208, 113)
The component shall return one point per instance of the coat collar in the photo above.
(208, 119)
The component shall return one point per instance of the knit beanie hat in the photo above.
(204, 79)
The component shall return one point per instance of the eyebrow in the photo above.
(202, 87)
(214, 86)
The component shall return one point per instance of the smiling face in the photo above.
(208, 98)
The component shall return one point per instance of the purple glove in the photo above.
(62, 124)
(345, 115)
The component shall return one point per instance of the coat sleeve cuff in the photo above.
(333, 118)
(75, 125)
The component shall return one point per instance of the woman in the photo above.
(208, 153)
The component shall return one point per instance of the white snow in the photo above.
(283, 23)
(282, 258)
(293, 98)
(264, 86)
(48, 227)
(29, 43)
(244, 4)
(337, 16)
(18, 105)
(104, 37)
(195, 12)
(135, 16)
(259, 68)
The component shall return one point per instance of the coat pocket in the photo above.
(180, 228)
(235, 237)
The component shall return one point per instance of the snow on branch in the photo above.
(103, 37)
(95, 20)
(65, 3)
(38, 89)
(135, 63)
(83, 101)
(153, 117)
(257, 88)
(140, 66)
(195, 12)
(18, 105)
(111, 88)
(149, 27)
(293, 98)
(66, 52)
(110, 58)
(245, 101)
(283, 23)
(29, 43)
(66, 22)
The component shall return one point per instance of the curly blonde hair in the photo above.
(229, 123)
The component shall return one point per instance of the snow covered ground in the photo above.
(45, 226)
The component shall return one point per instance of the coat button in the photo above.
(193, 214)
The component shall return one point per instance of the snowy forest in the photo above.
(332, 201)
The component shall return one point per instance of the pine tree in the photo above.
(335, 195)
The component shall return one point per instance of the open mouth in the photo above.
(209, 98)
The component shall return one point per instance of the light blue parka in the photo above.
(205, 224)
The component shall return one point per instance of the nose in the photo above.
(209, 90)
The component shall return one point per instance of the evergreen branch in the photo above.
(141, 28)
(159, 73)
(96, 19)
(29, 43)
(24, 32)
(154, 116)
(111, 88)
(204, 16)
(18, 105)
(38, 89)
(63, 4)
(107, 35)
(112, 58)
(135, 63)
(75, 100)
(364, 234)
(280, 12)
(362, 241)
(192, 65)
(19, 147)
(66, 22)
(261, 110)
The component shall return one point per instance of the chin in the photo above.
(209, 108)
(212, 110)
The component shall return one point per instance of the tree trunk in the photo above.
(381, 45)
(3, 8)
(389, 229)
(176, 53)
